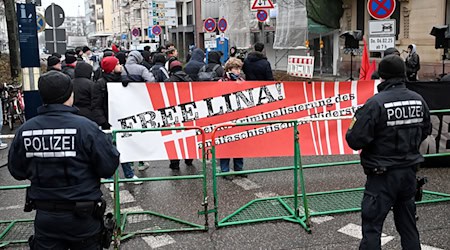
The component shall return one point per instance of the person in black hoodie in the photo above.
(178, 75)
(256, 67)
(213, 61)
(158, 70)
(82, 89)
(147, 62)
(195, 63)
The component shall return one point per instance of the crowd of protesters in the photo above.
(163, 65)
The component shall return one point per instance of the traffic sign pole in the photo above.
(54, 28)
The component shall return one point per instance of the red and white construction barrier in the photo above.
(301, 66)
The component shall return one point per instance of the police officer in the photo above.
(389, 129)
(64, 155)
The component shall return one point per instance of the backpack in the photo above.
(160, 73)
(205, 76)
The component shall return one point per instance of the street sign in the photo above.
(381, 9)
(54, 15)
(162, 12)
(262, 4)
(262, 15)
(60, 35)
(210, 24)
(40, 22)
(156, 30)
(135, 32)
(381, 43)
(124, 37)
(382, 27)
(222, 24)
(210, 44)
(28, 39)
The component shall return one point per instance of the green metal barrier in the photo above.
(255, 211)
(315, 204)
(147, 222)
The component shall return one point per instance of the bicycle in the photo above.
(13, 105)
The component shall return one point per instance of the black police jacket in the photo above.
(64, 155)
(390, 127)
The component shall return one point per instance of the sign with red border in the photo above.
(156, 30)
(262, 4)
(222, 25)
(210, 24)
(381, 9)
(262, 15)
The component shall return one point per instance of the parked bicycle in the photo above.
(13, 104)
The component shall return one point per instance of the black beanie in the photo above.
(70, 57)
(392, 66)
(55, 87)
(86, 49)
(52, 61)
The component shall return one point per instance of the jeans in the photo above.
(238, 164)
(128, 172)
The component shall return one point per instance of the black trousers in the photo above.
(393, 189)
(65, 230)
(176, 163)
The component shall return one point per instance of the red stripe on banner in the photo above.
(181, 144)
(171, 151)
(156, 96)
(345, 87)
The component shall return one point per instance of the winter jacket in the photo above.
(390, 127)
(146, 62)
(412, 62)
(256, 67)
(195, 63)
(69, 69)
(82, 89)
(213, 60)
(133, 71)
(158, 70)
(100, 99)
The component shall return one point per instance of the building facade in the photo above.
(3, 30)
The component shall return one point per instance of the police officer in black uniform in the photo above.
(64, 155)
(389, 129)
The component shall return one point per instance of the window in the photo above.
(137, 13)
(189, 13)
(447, 12)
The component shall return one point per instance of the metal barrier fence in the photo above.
(156, 222)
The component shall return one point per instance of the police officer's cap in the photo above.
(392, 66)
(55, 87)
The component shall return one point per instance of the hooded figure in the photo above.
(133, 71)
(147, 62)
(213, 60)
(82, 89)
(412, 63)
(256, 67)
(195, 64)
(158, 70)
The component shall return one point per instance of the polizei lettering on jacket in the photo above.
(219, 105)
(46, 143)
(404, 112)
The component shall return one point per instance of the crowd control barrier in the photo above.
(268, 209)
(152, 222)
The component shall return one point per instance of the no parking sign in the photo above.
(381, 9)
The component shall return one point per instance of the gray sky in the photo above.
(70, 7)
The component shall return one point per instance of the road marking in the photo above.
(266, 194)
(321, 219)
(135, 218)
(245, 183)
(158, 241)
(355, 231)
(126, 197)
(10, 207)
(425, 247)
